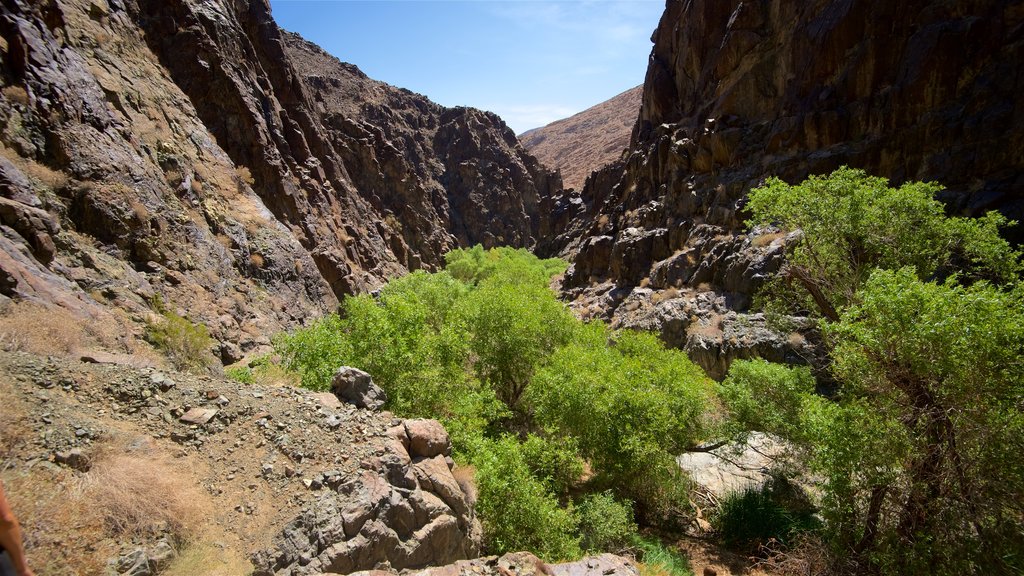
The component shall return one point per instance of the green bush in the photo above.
(511, 265)
(241, 374)
(185, 344)
(517, 511)
(754, 517)
(767, 397)
(632, 407)
(514, 330)
(660, 560)
(606, 524)
(487, 348)
(554, 461)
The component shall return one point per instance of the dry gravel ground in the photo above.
(98, 462)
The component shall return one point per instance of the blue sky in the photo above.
(530, 61)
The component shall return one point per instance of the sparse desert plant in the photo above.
(208, 559)
(663, 295)
(244, 175)
(187, 345)
(15, 94)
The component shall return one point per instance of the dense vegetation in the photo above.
(923, 318)
(573, 427)
(529, 395)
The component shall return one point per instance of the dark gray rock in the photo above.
(356, 387)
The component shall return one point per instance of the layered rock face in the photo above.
(741, 90)
(195, 151)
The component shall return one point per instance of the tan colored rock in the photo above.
(427, 438)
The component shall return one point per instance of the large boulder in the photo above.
(356, 387)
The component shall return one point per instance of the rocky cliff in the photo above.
(737, 91)
(585, 142)
(194, 150)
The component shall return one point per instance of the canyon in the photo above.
(193, 154)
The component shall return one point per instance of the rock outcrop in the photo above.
(404, 509)
(194, 151)
(356, 387)
(741, 90)
(526, 564)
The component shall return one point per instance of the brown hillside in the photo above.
(584, 142)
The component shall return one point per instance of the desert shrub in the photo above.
(748, 520)
(263, 371)
(185, 344)
(515, 265)
(241, 374)
(514, 329)
(316, 351)
(517, 511)
(918, 450)
(606, 524)
(526, 392)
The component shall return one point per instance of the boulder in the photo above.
(356, 387)
(427, 438)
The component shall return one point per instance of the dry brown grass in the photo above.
(245, 175)
(208, 560)
(16, 94)
(766, 239)
(466, 477)
(41, 330)
(667, 294)
(74, 523)
(809, 557)
(797, 340)
(43, 175)
(14, 428)
(139, 492)
(256, 260)
(61, 535)
(711, 328)
(51, 330)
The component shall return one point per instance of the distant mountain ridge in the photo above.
(587, 141)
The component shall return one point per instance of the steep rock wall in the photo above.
(741, 90)
(195, 151)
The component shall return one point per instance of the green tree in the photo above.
(631, 406)
(851, 223)
(518, 512)
(515, 328)
(920, 451)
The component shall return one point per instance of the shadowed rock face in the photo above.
(738, 91)
(193, 150)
